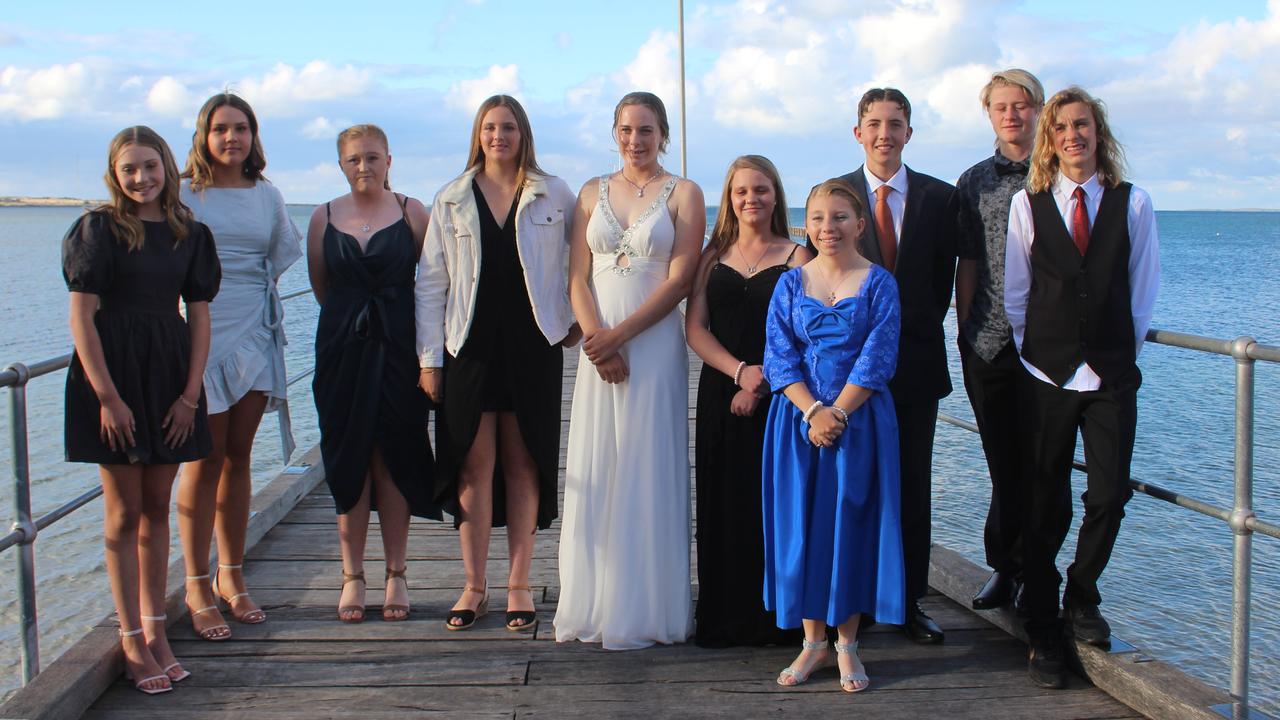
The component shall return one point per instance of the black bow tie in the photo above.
(1005, 166)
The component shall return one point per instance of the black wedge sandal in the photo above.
(527, 618)
(469, 617)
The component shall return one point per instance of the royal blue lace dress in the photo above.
(833, 543)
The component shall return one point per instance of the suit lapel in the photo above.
(869, 243)
(910, 215)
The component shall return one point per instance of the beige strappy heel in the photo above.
(138, 684)
(183, 673)
(214, 633)
(254, 616)
(353, 618)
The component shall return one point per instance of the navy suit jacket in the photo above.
(925, 271)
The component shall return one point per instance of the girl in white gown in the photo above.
(624, 544)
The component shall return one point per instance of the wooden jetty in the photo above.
(303, 663)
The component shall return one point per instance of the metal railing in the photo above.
(1240, 518)
(24, 531)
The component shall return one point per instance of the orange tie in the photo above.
(884, 228)
(1079, 222)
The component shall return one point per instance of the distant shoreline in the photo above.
(11, 201)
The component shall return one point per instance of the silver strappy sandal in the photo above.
(858, 679)
(801, 677)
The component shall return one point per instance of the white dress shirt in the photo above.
(1144, 264)
(897, 199)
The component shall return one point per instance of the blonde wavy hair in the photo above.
(122, 212)
(1044, 159)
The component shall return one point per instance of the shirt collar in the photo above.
(1005, 166)
(897, 182)
(1064, 186)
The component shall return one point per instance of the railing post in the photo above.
(1242, 560)
(24, 524)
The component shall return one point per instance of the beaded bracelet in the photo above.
(844, 416)
(737, 374)
(190, 405)
(812, 409)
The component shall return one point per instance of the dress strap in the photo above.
(667, 188)
(328, 213)
(791, 254)
(404, 205)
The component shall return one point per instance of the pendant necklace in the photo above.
(831, 294)
(641, 187)
(751, 266)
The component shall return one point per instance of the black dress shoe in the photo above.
(1045, 665)
(1086, 623)
(996, 592)
(1020, 601)
(921, 628)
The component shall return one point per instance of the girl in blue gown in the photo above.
(833, 546)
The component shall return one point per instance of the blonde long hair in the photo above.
(200, 165)
(122, 212)
(1044, 158)
(526, 158)
(725, 232)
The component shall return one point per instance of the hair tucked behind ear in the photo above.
(200, 164)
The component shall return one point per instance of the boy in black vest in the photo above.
(1081, 272)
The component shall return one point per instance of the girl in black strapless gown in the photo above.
(749, 250)
(373, 420)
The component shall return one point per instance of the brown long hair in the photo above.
(725, 232)
(122, 212)
(200, 165)
(1044, 158)
(526, 159)
(654, 103)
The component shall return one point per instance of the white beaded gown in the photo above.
(624, 542)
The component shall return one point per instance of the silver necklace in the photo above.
(751, 267)
(831, 294)
(640, 188)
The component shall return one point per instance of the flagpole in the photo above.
(684, 153)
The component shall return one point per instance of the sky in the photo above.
(1192, 88)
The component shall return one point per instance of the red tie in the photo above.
(884, 228)
(1080, 222)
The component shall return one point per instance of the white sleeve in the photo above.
(1017, 265)
(430, 290)
(1144, 263)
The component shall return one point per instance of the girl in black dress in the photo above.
(361, 253)
(134, 399)
(750, 248)
(493, 314)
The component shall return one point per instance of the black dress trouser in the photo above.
(994, 393)
(916, 423)
(1107, 421)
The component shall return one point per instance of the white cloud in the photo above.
(656, 69)
(170, 97)
(285, 89)
(466, 95)
(46, 93)
(321, 128)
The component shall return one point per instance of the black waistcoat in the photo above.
(1079, 309)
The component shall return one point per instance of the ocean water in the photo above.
(1167, 589)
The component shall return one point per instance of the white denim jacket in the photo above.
(445, 291)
